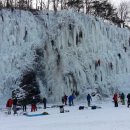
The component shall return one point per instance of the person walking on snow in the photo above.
(115, 98)
(89, 99)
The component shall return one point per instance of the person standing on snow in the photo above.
(44, 102)
(115, 98)
(9, 105)
(33, 105)
(89, 99)
(122, 98)
(128, 101)
(65, 99)
(15, 106)
(62, 99)
(71, 98)
(24, 103)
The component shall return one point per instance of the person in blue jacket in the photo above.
(71, 98)
(89, 99)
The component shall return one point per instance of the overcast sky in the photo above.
(117, 2)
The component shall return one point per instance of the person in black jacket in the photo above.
(62, 99)
(65, 99)
(24, 103)
(89, 99)
(128, 101)
(44, 102)
(15, 105)
(122, 96)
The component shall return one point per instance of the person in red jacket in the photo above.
(115, 98)
(33, 105)
(9, 105)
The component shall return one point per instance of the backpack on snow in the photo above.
(93, 107)
(81, 107)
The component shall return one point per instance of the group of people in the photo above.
(70, 99)
(13, 103)
(116, 99)
(121, 97)
(34, 106)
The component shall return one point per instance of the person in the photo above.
(65, 99)
(44, 102)
(122, 96)
(71, 98)
(9, 105)
(24, 103)
(89, 99)
(15, 106)
(115, 98)
(128, 100)
(62, 100)
(33, 105)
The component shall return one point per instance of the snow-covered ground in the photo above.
(106, 118)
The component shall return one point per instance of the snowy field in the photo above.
(106, 118)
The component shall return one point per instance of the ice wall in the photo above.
(67, 52)
(20, 35)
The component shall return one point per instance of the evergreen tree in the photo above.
(105, 10)
(76, 4)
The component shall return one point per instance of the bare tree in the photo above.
(61, 3)
(7, 4)
(48, 4)
(41, 5)
(36, 4)
(124, 12)
(15, 3)
(1, 4)
(11, 3)
(55, 6)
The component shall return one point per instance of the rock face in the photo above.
(46, 54)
